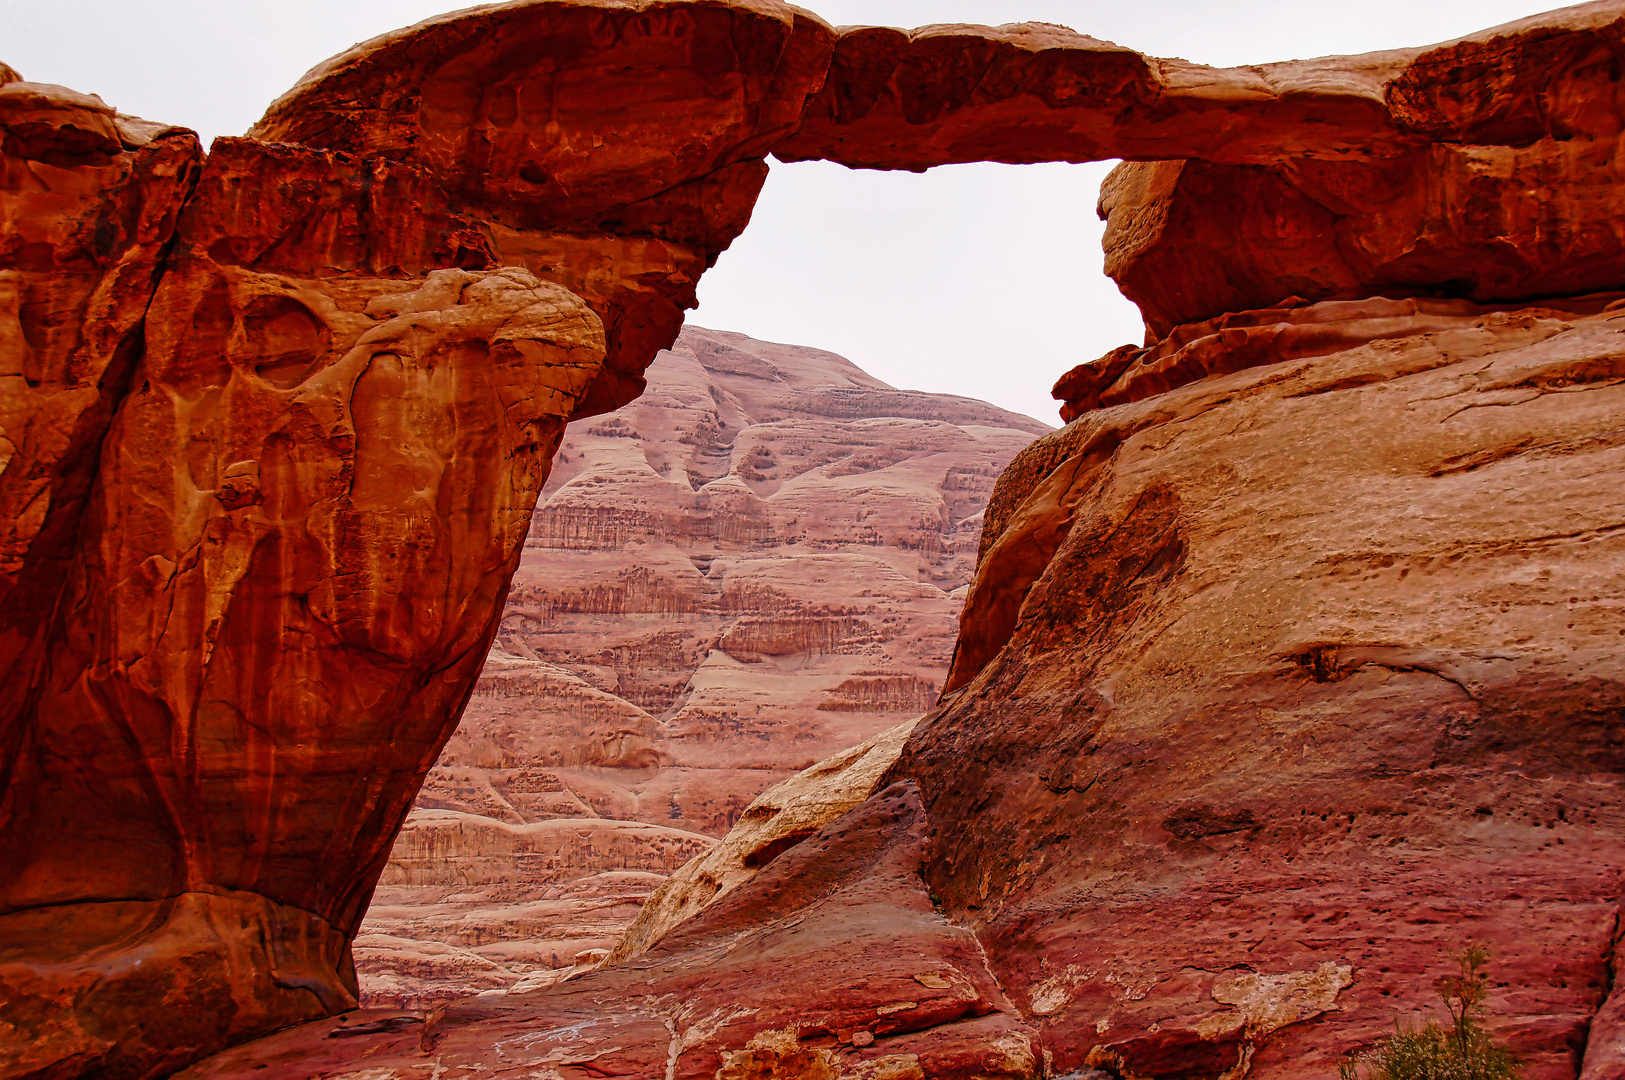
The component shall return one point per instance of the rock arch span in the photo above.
(275, 419)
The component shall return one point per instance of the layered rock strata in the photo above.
(246, 616)
(698, 613)
(468, 904)
(751, 568)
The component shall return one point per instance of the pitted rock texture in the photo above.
(1305, 673)
(702, 613)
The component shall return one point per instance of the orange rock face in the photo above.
(344, 464)
(88, 202)
(699, 557)
(615, 148)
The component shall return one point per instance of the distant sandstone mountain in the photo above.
(758, 563)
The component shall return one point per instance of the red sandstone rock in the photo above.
(1188, 241)
(1031, 92)
(291, 565)
(615, 148)
(1319, 678)
(777, 820)
(1219, 802)
(1482, 168)
(690, 656)
(88, 201)
(1244, 339)
(1292, 628)
(700, 558)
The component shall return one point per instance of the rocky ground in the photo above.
(757, 564)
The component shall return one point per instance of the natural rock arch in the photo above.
(278, 416)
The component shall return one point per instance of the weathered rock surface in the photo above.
(707, 615)
(88, 201)
(1342, 618)
(776, 821)
(1223, 792)
(613, 147)
(287, 574)
(1320, 676)
(1032, 92)
(1484, 168)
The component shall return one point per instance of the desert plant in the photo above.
(1462, 1051)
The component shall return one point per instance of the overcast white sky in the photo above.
(970, 279)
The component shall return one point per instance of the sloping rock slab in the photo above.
(831, 963)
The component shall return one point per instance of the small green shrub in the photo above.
(1461, 1051)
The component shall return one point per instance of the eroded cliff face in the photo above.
(270, 460)
(286, 575)
(699, 613)
(88, 200)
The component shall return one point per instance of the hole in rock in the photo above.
(747, 572)
(289, 337)
(770, 851)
